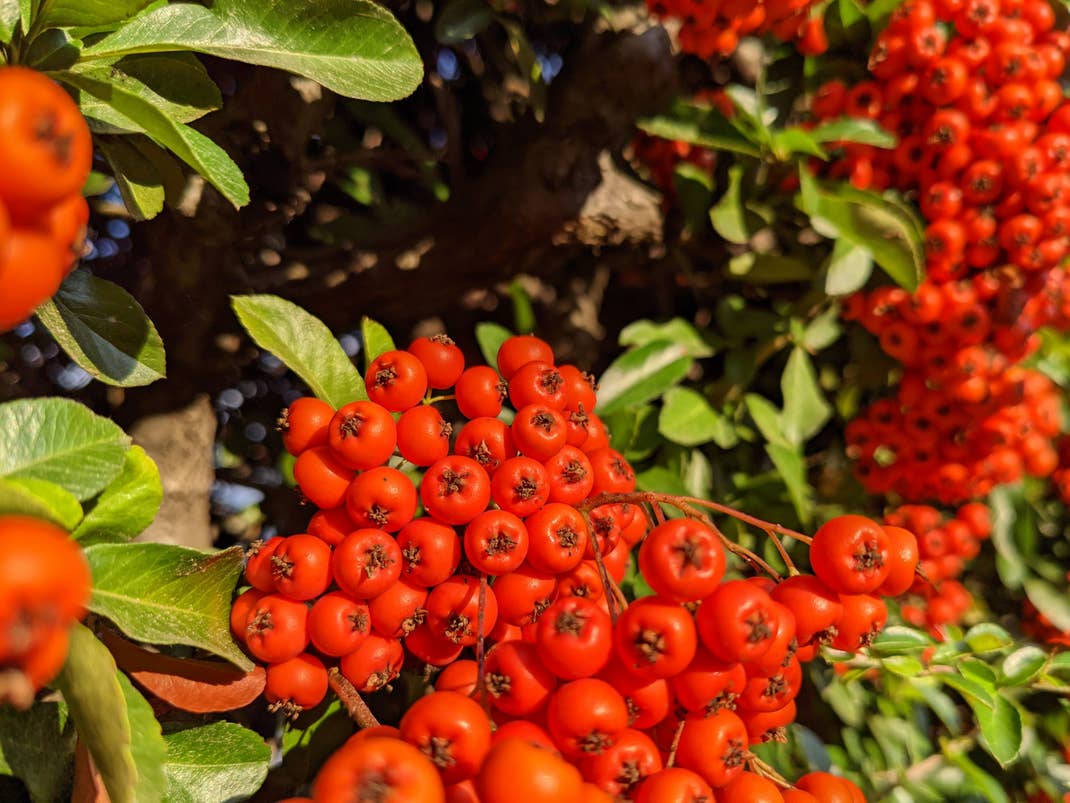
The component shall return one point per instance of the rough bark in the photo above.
(549, 193)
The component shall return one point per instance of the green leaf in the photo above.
(694, 193)
(490, 337)
(987, 637)
(705, 127)
(304, 343)
(460, 20)
(37, 747)
(1022, 665)
(175, 83)
(642, 374)
(822, 331)
(754, 268)
(907, 666)
(53, 49)
(137, 177)
(164, 594)
(676, 330)
(88, 13)
(220, 761)
(62, 442)
(728, 217)
(795, 141)
(848, 269)
(805, 409)
(688, 419)
(1005, 503)
(188, 144)
(990, 788)
(854, 129)
(889, 230)
(895, 640)
(976, 693)
(127, 506)
(1049, 601)
(376, 340)
(98, 700)
(792, 470)
(147, 745)
(105, 331)
(352, 47)
(9, 19)
(1001, 729)
(41, 500)
(767, 418)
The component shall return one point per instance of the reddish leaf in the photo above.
(201, 687)
(88, 787)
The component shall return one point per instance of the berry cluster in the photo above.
(44, 588)
(44, 163)
(714, 27)
(660, 703)
(382, 581)
(928, 442)
(525, 530)
(970, 89)
(945, 545)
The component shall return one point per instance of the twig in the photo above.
(675, 743)
(609, 588)
(356, 707)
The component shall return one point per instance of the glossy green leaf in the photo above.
(220, 761)
(39, 499)
(887, 229)
(791, 467)
(1001, 729)
(1050, 601)
(805, 409)
(688, 419)
(9, 19)
(676, 330)
(767, 418)
(88, 13)
(188, 144)
(139, 181)
(460, 20)
(105, 331)
(376, 340)
(795, 141)
(127, 506)
(642, 374)
(728, 217)
(707, 128)
(822, 331)
(896, 639)
(147, 745)
(62, 442)
(37, 747)
(849, 268)
(175, 83)
(905, 665)
(754, 268)
(1022, 665)
(987, 637)
(164, 594)
(353, 47)
(854, 129)
(490, 337)
(1005, 503)
(694, 193)
(304, 343)
(976, 693)
(98, 699)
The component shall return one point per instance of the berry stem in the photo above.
(481, 653)
(356, 707)
(436, 399)
(675, 743)
(614, 596)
